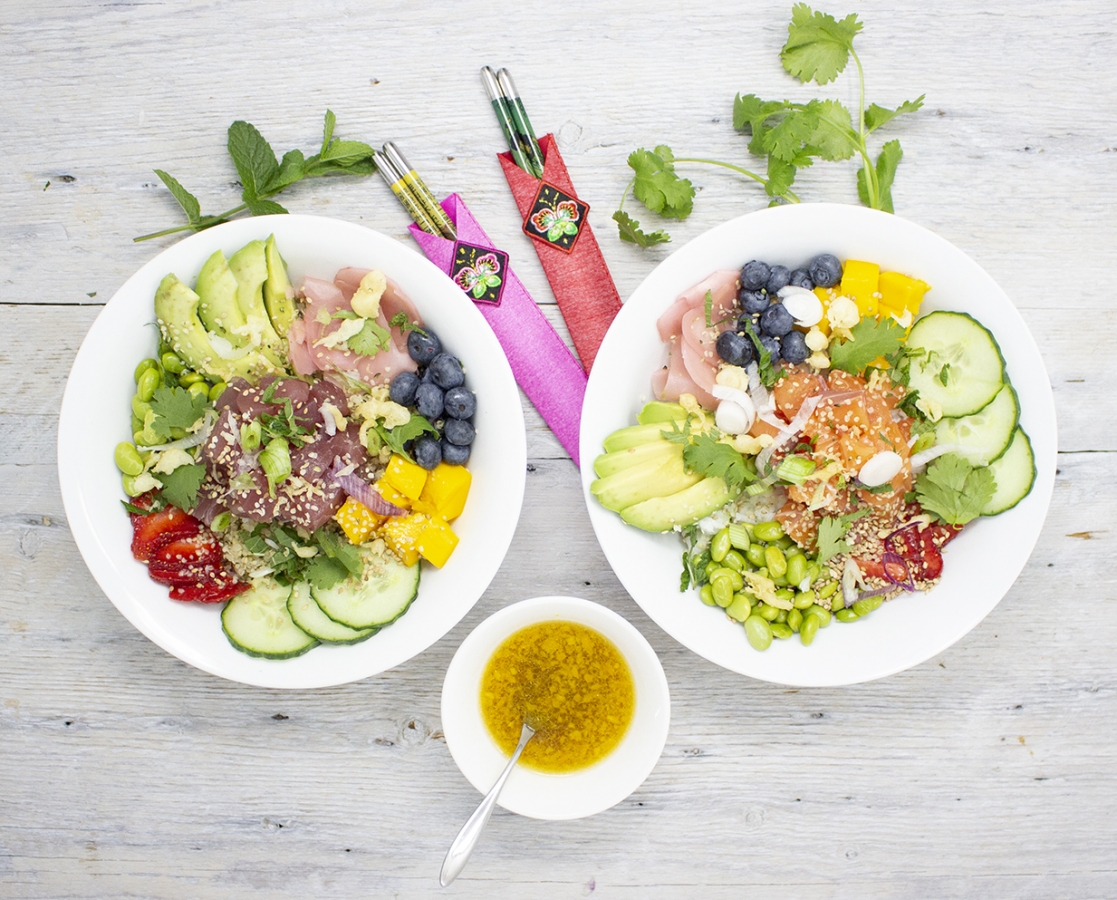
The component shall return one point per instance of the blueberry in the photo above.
(429, 401)
(460, 402)
(794, 348)
(752, 301)
(755, 274)
(776, 320)
(771, 344)
(427, 451)
(454, 454)
(458, 431)
(735, 349)
(802, 278)
(423, 347)
(446, 371)
(403, 387)
(778, 279)
(825, 270)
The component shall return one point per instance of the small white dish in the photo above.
(95, 417)
(980, 565)
(571, 795)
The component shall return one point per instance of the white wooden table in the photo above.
(989, 771)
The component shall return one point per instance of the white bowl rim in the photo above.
(571, 795)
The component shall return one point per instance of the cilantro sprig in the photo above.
(953, 490)
(263, 176)
(706, 455)
(790, 135)
(175, 407)
(832, 531)
(870, 338)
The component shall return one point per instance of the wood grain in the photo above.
(987, 771)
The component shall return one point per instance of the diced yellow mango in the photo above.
(357, 521)
(437, 541)
(390, 494)
(900, 293)
(861, 283)
(402, 533)
(446, 490)
(406, 477)
(825, 295)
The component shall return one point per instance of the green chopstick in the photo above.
(521, 122)
(504, 117)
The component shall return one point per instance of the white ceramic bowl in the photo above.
(95, 417)
(540, 795)
(980, 565)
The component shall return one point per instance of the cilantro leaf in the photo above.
(875, 116)
(323, 573)
(657, 186)
(708, 456)
(832, 531)
(401, 434)
(180, 487)
(818, 45)
(340, 550)
(175, 407)
(871, 338)
(629, 230)
(254, 158)
(370, 340)
(953, 490)
(834, 139)
(399, 320)
(887, 161)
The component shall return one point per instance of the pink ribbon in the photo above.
(543, 365)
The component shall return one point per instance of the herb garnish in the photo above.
(180, 486)
(953, 490)
(175, 407)
(870, 338)
(832, 531)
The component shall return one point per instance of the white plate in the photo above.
(980, 565)
(570, 795)
(95, 417)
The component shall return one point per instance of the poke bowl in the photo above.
(94, 424)
(977, 567)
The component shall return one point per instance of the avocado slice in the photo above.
(278, 304)
(682, 508)
(218, 308)
(634, 435)
(176, 311)
(661, 411)
(611, 463)
(655, 477)
(249, 265)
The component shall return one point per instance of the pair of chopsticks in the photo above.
(510, 112)
(413, 193)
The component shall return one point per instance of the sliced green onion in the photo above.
(795, 469)
(275, 460)
(739, 536)
(251, 434)
(757, 488)
(221, 521)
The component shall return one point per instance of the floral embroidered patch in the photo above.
(479, 271)
(555, 217)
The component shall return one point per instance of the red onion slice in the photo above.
(891, 559)
(361, 491)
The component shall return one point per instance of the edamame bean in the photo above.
(722, 589)
(776, 562)
(711, 566)
(758, 632)
(216, 391)
(719, 546)
(770, 532)
(755, 554)
(808, 630)
(127, 459)
(785, 543)
(172, 363)
(827, 590)
(188, 378)
(706, 595)
(766, 612)
(177, 434)
(862, 607)
(199, 389)
(786, 595)
(794, 619)
(813, 571)
(739, 609)
(140, 408)
(734, 561)
(734, 577)
(144, 365)
(803, 600)
(146, 438)
(129, 483)
(823, 615)
(781, 617)
(796, 568)
(846, 615)
(781, 631)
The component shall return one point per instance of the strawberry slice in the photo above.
(152, 531)
(179, 574)
(211, 593)
(197, 550)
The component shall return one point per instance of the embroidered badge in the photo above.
(479, 271)
(555, 217)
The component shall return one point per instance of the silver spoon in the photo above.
(458, 854)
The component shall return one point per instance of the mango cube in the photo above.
(406, 477)
(825, 295)
(357, 521)
(436, 542)
(446, 490)
(390, 494)
(901, 293)
(402, 534)
(861, 283)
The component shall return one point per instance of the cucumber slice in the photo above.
(960, 367)
(1014, 473)
(381, 597)
(257, 623)
(309, 617)
(985, 435)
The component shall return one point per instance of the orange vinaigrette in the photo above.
(570, 683)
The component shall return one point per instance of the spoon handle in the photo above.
(458, 854)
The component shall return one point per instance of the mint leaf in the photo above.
(875, 116)
(292, 168)
(818, 45)
(180, 487)
(327, 131)
(264, 207)
(254, 158)
(953, 490)
(186, 200)
(630, 232)
(345, 153)
(370, 340)
(657, 186)
(871, 338)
